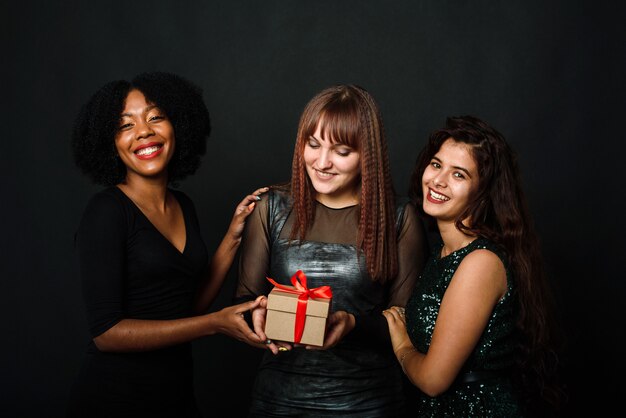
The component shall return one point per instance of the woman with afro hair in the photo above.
(145, 272)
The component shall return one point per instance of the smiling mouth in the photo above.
(436, 196)
(323, 174)
(148, 150)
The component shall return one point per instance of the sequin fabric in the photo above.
(495, 350)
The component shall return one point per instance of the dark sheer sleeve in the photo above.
(412, 253)
(101, 246)
(254, 256)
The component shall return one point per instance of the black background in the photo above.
(547, 74)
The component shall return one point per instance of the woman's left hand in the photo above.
(397, 328)
(258, 322)
(338, 325)
(230, 321)
(243, 210)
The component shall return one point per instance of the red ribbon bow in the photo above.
(298, 280)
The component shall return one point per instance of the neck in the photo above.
(347, 198)
(148, 193)
(337, 203)
(453, 238)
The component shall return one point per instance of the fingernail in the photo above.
(257, 197)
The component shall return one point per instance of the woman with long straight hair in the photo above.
(340, 222)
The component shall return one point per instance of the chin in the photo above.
(322, 191)
(428, 210)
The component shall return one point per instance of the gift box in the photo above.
(297, 314)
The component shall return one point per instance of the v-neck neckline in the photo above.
(182, 209)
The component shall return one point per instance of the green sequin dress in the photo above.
(495, 351)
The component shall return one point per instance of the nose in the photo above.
(439, 181)
(324, 161)
(144, 129)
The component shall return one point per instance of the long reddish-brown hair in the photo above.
(349, 115)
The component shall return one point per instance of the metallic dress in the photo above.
(494, 354)
(359, 376)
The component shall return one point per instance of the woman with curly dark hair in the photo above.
(341, 222)
(479, 323)
(145, 272)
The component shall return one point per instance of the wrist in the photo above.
(402, 356)
(351, 321)
(209, 324)
(232, 240)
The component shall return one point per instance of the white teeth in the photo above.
(146, 151)
(322, 174)
(438, 196)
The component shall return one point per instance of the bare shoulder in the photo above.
(485, 269)
(483, 257)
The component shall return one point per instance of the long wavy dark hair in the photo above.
(350, 115)
(498, 211)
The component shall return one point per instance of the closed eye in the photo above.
(343, 152)
(313, 143)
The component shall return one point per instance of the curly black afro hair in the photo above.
(93, 138)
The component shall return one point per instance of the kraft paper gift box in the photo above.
(282, 322)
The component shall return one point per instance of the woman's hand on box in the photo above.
(338, 325)
(258, 322)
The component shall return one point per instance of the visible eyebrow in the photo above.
(465, 170)
(147, 109)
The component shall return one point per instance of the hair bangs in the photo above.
(340, 123)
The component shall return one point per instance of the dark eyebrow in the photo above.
(456, 167)
(463, 170)
(147, 109)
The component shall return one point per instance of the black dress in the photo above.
(359, 376)
(130, 270)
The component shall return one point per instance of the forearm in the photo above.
(225, 254)
(218, 269)
(430, 380)
(143, 335)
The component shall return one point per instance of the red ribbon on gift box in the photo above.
(298, 280)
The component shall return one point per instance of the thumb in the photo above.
(249, 305)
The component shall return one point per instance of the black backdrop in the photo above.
(548, 74)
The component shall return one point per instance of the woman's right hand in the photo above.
(396, 321)
(243, 210)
